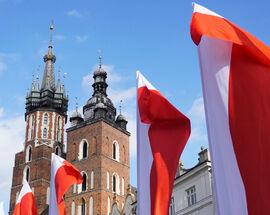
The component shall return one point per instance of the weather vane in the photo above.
(100, 58)
(120, 106)
(51, 32)
(76, 102)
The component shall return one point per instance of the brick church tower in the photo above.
(46, 115)
(98, 145)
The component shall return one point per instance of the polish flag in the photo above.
(162, 133)
(63, 175)
(235, 71)
(25, 204)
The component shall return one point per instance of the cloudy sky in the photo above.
(152, 36)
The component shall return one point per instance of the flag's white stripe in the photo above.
(2, 208)
(145, 161)
(25, 189)
(56, 163)
(215, 57)
(200, 9)
(142, 81)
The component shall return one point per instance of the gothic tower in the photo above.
(45, 116)
(98, 145)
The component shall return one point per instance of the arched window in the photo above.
(45, 119)
(45, 133)
(73, 208)
(92, 180)
(83, 149)
(58, 150)
(91, 206)
(28, 154)
(108, 181)
(48, 196)
(31, 127)
(115, 184)
(123, 186)
(84, 183)
(115, 151)
(26, 173)
(109, 206)
(59, 129)
(83, 207)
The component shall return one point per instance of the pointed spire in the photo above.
(120, 107)
(48, 81)
(100, 59)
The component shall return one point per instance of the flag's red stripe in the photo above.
(249, 115)
(249, 105)
(66, 176)
(27, 205)
(168, 133)
(220, 28)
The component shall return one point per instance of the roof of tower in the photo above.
(50, 95)
(121, 117)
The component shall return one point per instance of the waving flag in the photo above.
(63, 175)
(25, 204)
(162, 133)
(235, 71)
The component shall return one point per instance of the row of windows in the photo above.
(190, 196)
(45, 127)
(84, 148)
(115, 183)
(28, 153)
(82, 207)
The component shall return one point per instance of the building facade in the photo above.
(45, 116)
(97, 144)
(192, 192)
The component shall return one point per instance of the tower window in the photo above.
(45, 133)
(73, 208)
(58, 150)
(59, 129)
(45, 119)
(91, 206)
(92, 180)
(84, 183)
(83, 207)
(83, 149)
(115, 151)
(26, 173)
(28, 155)
(115, 183)
(31, 127)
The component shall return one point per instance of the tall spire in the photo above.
(48, 81)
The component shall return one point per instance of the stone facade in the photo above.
(100, 136)
(192, 192)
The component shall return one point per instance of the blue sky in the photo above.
(152, 36)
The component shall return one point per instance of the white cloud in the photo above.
(74, 13)
(11, 138)
(197, 117)
(4, 58)
(81, 39)
(1, 112)
(198, 135)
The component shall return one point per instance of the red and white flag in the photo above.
(162, 133)
(63, 175)
(235, 71)
(25, 204)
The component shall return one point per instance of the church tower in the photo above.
(98, 145)
(45, 116)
